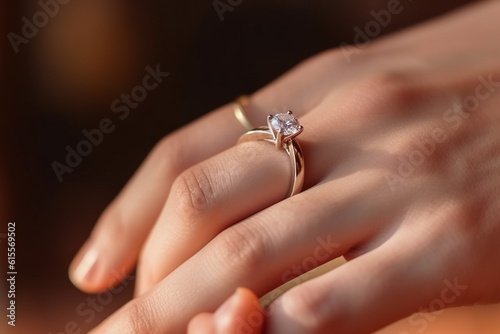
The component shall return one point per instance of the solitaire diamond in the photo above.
(285, 123)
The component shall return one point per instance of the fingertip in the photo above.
(89, 273)
(241, 313)
(83, 270)
(249, 300)
(202, 323)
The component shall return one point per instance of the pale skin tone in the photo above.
(204, 216)
(241, 312)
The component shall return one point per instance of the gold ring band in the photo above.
(240, 114)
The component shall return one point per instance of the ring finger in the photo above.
(209, 197)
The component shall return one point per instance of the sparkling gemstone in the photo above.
(285, 123)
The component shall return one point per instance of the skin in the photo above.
(401, 180)
(241, 313)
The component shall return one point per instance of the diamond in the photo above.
(285, 123)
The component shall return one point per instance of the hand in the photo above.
(401, 178)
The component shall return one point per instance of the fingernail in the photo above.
(84, 270)
(223, 315)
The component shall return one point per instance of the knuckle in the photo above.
(242, 247)
(140, 318)
(391, 92)
(193, 192)
(465, 217)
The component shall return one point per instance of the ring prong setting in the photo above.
(284, 127)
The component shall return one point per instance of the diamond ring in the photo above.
(281, 130)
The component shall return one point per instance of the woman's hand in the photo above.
(402, 175)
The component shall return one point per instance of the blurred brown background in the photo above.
(64, 79)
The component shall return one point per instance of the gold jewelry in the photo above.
(281, 131)
(240, 114)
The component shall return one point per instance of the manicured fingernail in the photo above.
(84, 269)
(223, 315)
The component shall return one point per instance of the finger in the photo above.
(209, 197)
(203, 323)
(261, 252)
(241, 313)
(391, 282)
(220, 192)
(113, 248)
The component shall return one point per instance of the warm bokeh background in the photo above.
(65, 78)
